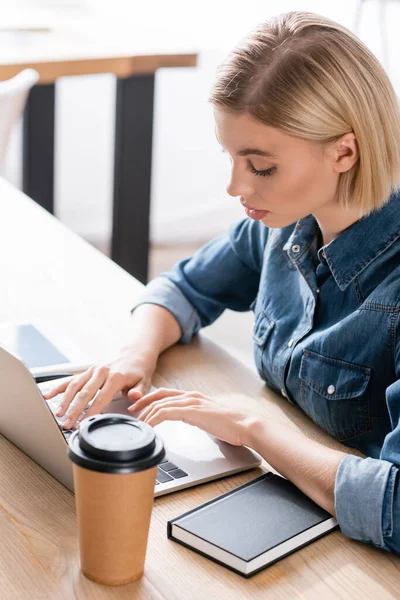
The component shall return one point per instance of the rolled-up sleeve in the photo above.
(225, 273)
(163, 292)
(367, 496)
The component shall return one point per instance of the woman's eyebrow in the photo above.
(256, 151)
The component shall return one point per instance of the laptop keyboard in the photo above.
(167, 470)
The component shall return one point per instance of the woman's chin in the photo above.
(267, 219)
(277, 221)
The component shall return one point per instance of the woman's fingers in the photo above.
(183, 400)
(138, 391)
(75, 384)
(80, 392)
(110, 389)
(158, 395)
(61, 387)
(202, 413)
(188, 414)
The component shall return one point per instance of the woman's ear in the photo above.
(345, 153)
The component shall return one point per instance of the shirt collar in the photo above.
(354, 249)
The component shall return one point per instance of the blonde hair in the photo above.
(312, 78)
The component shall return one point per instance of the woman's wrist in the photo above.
(154, 329)
(137, 352)
(256, 433)
(308, 464)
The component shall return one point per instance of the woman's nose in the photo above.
(238, 187)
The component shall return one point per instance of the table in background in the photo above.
(50, 274)
(68, 50)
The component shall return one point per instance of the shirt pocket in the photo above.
(335, 394)
(262, 328)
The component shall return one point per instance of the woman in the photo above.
(312, 128)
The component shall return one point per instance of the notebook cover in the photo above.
(252, 519)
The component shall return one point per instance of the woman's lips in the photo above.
(254, 214)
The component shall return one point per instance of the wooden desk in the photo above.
(133, 57)
(49, 273)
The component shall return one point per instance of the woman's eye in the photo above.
(265, 173)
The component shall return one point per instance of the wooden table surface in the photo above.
(49, 274)
(83, 46)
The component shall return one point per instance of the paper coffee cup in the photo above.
(115, 460)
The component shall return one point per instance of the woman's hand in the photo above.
(130, 374)
(221, 421)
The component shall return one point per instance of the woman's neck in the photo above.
(333, 220)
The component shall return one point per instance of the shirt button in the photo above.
(290, 342)
(318, 290)
(296, 248)
(331, 389)
(283, 393)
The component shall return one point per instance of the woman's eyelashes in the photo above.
(265, 173)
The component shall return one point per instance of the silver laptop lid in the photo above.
(25, 418)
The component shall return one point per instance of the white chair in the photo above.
(13, 95)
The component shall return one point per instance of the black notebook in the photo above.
(253, 525)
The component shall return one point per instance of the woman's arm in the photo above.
(225, 273)
(362, 493)
(309, 465)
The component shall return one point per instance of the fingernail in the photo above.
(67, 423)
(59, 412)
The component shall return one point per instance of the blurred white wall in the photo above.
(190, 173)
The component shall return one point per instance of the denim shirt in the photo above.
(326, 336)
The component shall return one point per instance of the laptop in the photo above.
(28, 421)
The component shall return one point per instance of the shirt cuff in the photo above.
(364, 489)
(163, 292)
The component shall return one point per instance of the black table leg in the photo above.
(132, 174)
(38, 146)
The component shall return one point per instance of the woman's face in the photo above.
(292, 179)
